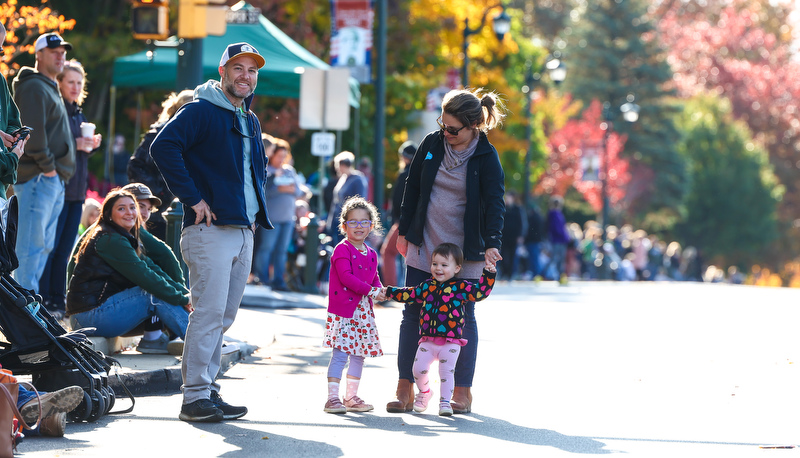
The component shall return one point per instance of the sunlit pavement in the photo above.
(641, 369)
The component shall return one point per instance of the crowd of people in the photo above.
(548, 247)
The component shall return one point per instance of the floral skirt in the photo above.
(355, 336)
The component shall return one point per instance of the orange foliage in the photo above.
(23, 25)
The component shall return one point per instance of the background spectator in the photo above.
(142, 169)
(282, 189)
(49, 161)
(514, 228)
(53, 283)
(558, 237)
(389, 254)
(350, 183)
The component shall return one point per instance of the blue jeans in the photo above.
(534, 250)
(409, 336)
(558, 255)
(53, 284)
(272, 250)
(25, 396)
(124, 311)
(40, 203)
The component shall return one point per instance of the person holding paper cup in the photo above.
(52, 284)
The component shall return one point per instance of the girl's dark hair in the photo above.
(474, 108)
(106, 210)
(449, 249)
(354, 203)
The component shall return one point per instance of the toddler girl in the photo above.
(441, 320)
(350, 329)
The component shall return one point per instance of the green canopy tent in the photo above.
(280, 77)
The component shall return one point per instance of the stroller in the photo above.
(34, 343)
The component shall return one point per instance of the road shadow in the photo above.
(489, 427)
(253, 442)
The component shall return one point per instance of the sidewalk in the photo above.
(150, 375)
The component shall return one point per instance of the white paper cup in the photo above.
(87, 129)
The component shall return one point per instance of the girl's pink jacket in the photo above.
(352, 276)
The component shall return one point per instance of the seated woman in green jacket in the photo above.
(113, 284)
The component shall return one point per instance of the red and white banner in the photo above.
(351, 37)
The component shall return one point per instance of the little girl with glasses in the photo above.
(350, 328)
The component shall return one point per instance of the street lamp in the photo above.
(630, 113)
(554, 67)
(501, 25)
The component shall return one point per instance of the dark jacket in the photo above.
(442, 311)
(51, 145)
(535, 232)
(9, 122)
(201, 157)
(142, 169)
(110, 265)
(397, 195)
(483, 218)
(557, 227)
(75, 190)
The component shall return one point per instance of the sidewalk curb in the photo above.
(167, 380)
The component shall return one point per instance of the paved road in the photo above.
(643, 370)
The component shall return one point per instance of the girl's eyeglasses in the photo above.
(450, 130)
(354, 224)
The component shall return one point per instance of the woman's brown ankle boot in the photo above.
(405, 398)
(462, 400)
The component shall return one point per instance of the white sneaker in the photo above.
(229, 347)
(445, 409)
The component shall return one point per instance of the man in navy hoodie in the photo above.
(212, 158)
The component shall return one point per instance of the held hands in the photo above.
(491, 256)
(203, 212)
(378, 294)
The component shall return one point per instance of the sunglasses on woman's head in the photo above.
(450, 130)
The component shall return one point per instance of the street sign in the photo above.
(323, 143)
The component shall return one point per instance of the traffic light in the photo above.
(200, 18)
(150, 19)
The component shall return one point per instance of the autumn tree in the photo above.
(733, 198)
(742, 51)
(578, 154)
(616, 55)
(23, 25)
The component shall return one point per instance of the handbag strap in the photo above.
(13, 403)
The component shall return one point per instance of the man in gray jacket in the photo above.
(49, 161)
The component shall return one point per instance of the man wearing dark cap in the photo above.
(212, 159)
(50, 158)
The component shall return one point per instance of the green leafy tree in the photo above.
(616, 56)
(734, 194)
